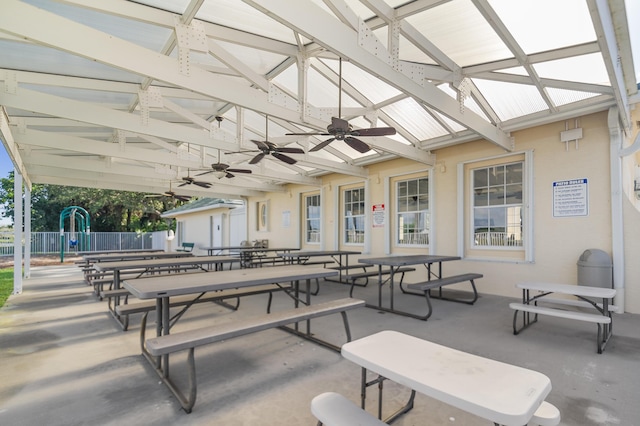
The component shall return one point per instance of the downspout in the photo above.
(617, 218)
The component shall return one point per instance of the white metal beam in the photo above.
(316, 24)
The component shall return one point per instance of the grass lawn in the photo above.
(6, 284)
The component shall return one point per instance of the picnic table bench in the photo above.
(333, 409)
(186, 247)
(426, 287)
(600, 311)
(189, 340)
(377, 273)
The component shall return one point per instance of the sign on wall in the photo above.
(378, 215)
(571, 198)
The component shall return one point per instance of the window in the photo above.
(263, 216)
(353, 215)
(312, 219)
(497, 205)
(413, 219)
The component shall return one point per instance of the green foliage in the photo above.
(6, 284)
(109, 211)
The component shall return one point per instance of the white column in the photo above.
(17, 232)
(617, 219)
(27, 232)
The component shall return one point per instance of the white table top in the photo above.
(175, 285)
(576, 290)
(156, 263)
(503, 393)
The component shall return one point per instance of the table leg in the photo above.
(163, 326)
(380, 285)
(391, 274)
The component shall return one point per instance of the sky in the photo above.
(633, 16)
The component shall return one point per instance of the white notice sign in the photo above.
(378, 215)
(571, 198)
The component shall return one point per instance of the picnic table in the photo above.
(435, 280)
(502, 393)
(163, 288)
(143, 266)
(341, 257)
(538, 299)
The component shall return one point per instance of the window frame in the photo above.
(494, 236)
(344, 217)
(519, 254)
(397, 213)
(307, 219)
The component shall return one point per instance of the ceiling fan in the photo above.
(170, 194)
(221, 170)
(188, 180)
(340, 129)
(265, 148)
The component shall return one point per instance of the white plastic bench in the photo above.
(546, 415)
(333, 409)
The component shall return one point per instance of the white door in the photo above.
(216, 231)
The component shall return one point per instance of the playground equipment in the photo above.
(78, 239)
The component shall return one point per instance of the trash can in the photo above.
(595, 269)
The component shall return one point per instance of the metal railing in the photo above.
(49, 242)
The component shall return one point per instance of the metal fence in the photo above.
(49, 242)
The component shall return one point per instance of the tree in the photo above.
(110, 211)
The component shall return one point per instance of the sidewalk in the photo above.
(65, 361)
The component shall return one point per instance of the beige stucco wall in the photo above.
(197, 229)
(557, 242)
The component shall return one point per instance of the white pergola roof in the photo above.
(123, 95)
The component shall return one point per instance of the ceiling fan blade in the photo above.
(308, 134)
(202, 184)
(182, 198)
(290, 150)
(229, 175)
(257, 158)
(185, 183)
(374, 131)
(205, 173)
(284, 158)
(322, 145)
(239, 170)
(357, 144)
(260, 144)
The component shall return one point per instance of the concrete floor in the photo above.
(64, 361)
